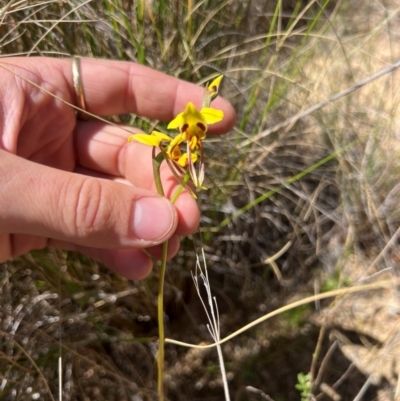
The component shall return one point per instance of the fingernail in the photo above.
(153, 219)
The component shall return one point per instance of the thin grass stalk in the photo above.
(213, 326)
(3, 10)
(304, 301)
(60, 377)
(189, 26)
(295, 62)
(255, 89)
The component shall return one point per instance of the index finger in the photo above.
(117, 87)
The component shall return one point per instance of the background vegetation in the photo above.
(271, 236)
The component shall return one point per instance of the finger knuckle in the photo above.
(91, 212)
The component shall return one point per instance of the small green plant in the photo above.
(304, 384)
(297, 316)
(336, 280)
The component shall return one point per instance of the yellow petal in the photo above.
(190, 116)
(214, 85)
(171, 150)
(176, 122)
(183, 160)
(211, 115)
(161, 136)
(146, 139)
(174, 153)
(176, 141)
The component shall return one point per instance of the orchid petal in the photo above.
(161, 136)
(176, 122)
(201, 168)
(173, 149)
(211, 115)
(192, 169)
(149, 140)
(183, 160)
(190, 116)
(214, 87)
(175, 142)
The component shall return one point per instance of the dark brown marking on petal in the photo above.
(184, 127)
(201, 126)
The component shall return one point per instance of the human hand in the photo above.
(78, 185)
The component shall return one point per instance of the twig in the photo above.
(271, 260)
(304, 301)
(364, 388)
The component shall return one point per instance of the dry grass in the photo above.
(341, 219)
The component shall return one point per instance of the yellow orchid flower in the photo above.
(192, 122)
(193, 126)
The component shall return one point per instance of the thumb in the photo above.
(87, 211)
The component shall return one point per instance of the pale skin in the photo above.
(79, 185)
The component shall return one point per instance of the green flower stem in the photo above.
(160, 318)
(157, 160)
(180, 188)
